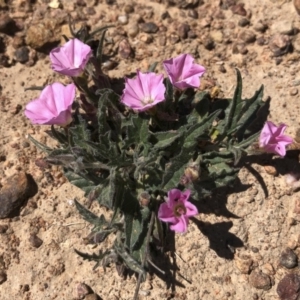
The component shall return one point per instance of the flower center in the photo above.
(179, 209)
(147, 100)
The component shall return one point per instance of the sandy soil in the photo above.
(233, 248)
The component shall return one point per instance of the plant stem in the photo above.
(136, 293)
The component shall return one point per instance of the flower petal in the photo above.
(165, 214)
(181, 225)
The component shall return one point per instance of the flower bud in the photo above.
(144, 199)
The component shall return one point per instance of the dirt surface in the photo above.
(244, 240)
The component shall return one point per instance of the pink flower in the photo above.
(53, 106)
(273, 140)
(183, 73)
(177, 210)
(71, 58)
(144, 91)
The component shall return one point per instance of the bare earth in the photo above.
(237, 238)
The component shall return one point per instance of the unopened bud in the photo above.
(192, 173)
(144, 199)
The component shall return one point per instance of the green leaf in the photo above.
(164, 139)
(197, 130)
(89, 216)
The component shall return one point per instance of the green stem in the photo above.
(136, 294)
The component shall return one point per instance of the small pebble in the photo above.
(222, 69)
(193, 14)
(183, 30)
(174, 38)
(22, 55)
(91, 297)
(3, 276)
(7, 24)
(133, 30)
(81, 291)
(289, 287)
(261, 41)
(149, 27)
(128, 9)
(3, 228)
(288, 259)
(35, 241)
(243, 22)
(294, 92)
(260, 280)
(247, 36)
(260, 27)
(124, 49)
(239, 9)
(279, 44)
(123, 20)
(208, 43)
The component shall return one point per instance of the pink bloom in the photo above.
(177, 210)
(71, 58)
(273, 140)
(144, 91)
(183, 73)
(53, 106)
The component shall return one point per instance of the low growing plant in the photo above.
(149, 154)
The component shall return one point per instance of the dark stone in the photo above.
(15, 191)
(247, 36)
(288, 259)
(280, 44)
(288, 287)
(149, 27)
(22, 55)
(8, 25)
(193, 14)
(183, 30)
(244, 22)
(239, 9)
(35, 241)
(208, 44)
(260, 280)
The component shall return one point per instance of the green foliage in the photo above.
(114, 155)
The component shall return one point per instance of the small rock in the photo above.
(222, 69)
(133, 30)
(81, 291)
(183, 30)
(239, 9)
(284, 26)
(128, 9)
(146, 38)
(149, 27)
(22, 55)
(14, 192)
(165, 15)
(239, 48)
(35, 241)
(3, 276)
(7, 24)
(243, 22)
(261, 41)
(43, 33)
(268, 269)
(193, 14)
(247, 36)
(260, 280)
(244, 265)
(124, 49)
(123, 20)
(3, 228)
(90, 11)
(162, 40)
(279, 44)
(174, 38)
(217, 36)
(271, 170)
(260, 27)
(208, 43)
(288, 287)
(294, 92)
(297, 6)
(288, 259)
(91, 297)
